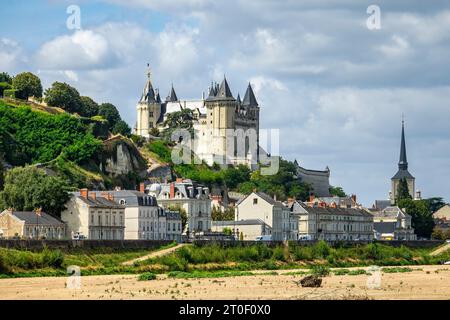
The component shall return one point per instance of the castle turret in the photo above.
(148, 108)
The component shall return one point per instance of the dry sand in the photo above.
(425, 282)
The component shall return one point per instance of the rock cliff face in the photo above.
(122, 163)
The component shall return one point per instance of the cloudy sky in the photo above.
(335, 88)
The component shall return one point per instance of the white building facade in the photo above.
(95, 218)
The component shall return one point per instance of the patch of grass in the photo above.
(203, 274)
(397, 269)
(147, 276)
(341, 272)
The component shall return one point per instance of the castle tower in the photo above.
(221, 108)
(148, 108)
(402, 172)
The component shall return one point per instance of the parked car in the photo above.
(78, 236)
(264, 238)
(306, 237)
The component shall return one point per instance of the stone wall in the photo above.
(36, 245)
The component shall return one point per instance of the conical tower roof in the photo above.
(249, 98)
(224, 90)
(172, 97)
(148, 94)
(403, 162)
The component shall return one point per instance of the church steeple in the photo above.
(403, 162)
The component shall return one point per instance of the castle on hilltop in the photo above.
(215, 116)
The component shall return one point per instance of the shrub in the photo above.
(321, 250)
(4, 267)
(4, 86)
(320, 270)
(9, 93)
(52, 258)
(147, 276)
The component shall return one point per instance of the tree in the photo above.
(110, 113)
(3, 87)
(435, 203)
(64, 96)
(27, 85)
(5, 77)
(403, 190)
(89, 107)
(235, 175)
(28, 188)
(337, 191)
(421, 216)
(178, 120)
(2, 172)
(121, 127)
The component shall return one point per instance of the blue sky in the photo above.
(334, 88)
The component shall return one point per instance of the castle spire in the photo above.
(403, 162)
(249, 98)
(224, 90)
(148, 95)
(172, 97)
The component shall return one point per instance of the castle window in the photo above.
(151, 114)
(255, 201)
(150, 124)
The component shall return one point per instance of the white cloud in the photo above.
(85, 49)
(11, 55)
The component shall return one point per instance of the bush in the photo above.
(147, 276)
(10, 93)
(321, 250)
(320, 270)
(52, 258)
(4, 86)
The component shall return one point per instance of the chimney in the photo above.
(142, 187)
(199, 191)
(104, 195)
(179, 180)
(275, 197)
(84, 193)
(172, 190)
(290, 200)
(333, 205)
(93, 195)
(191, 191)
(354, 198)
(311, 197)
(206, 191)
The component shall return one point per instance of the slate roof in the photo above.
(384, 227)
(99, 202)
(148, 95)
(265, 197)
(172, 97)
(249, 98)
(338, 211)
(382, 204)
(222, 93)
(30, 217)
(132, 198)
(403, 173)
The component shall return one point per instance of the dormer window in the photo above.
(122, 202)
